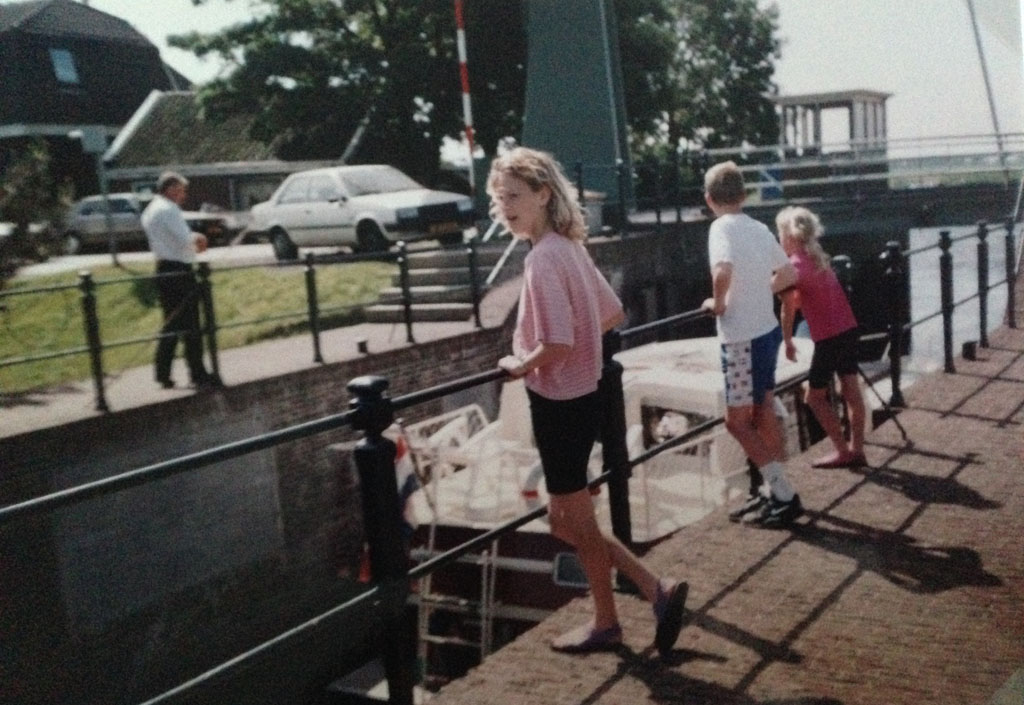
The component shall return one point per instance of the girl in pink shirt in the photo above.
(833, 329)
(564, 308)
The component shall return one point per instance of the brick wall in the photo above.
(166, 580)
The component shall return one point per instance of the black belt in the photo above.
(172, 265)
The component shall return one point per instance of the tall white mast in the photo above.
(988, 90)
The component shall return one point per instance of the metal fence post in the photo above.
(474, 281)
(209, 319)
(613, 438)
(1011, 275)
(657, 194)
(374, 458)
(620, 172)
(92, 336)
(313, 303)
(983, 283)
(579, 185)
(946, 289)
(677, 184)
(403, 276)
(894, 274)
(842, 265)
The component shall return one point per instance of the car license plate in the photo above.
(448, 227)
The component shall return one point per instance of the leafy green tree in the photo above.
(31, 201)
(316, 73)
(720, 78)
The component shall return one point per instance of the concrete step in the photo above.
(486, 256)
(434, 294)
(435, 276)
(395, 313)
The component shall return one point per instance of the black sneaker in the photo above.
(777, 514)
(750, 508)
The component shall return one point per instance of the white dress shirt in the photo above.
(168, 234)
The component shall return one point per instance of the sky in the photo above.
(921, 51)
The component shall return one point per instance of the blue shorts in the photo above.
(749, 368)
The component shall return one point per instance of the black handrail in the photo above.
(372, 411)
(95, 346)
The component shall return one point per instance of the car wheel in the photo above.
(284, 248)
(370, 238)
(72, 244)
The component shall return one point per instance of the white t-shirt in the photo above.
(754, 253)
(168, 234)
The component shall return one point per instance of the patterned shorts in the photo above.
(749, 368)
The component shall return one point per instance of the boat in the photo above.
(477, 474)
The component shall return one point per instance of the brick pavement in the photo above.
(904, 584)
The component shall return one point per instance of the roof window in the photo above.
(64, 66)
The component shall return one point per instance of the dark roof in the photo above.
(64, 18)
(179, 82)
(170, 128)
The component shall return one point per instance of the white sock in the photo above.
(777, 482)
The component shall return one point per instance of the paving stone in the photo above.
(903, 585)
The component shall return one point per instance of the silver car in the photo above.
(367, 208)
(85, 225)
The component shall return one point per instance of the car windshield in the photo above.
(362, 182)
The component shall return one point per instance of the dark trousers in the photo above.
(179, 298)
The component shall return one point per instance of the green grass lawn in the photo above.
(250, 304)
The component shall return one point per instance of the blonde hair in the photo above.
(723, 183)
(538, 169)
(801, 225)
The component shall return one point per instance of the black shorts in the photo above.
(835, 355)
(565, 431)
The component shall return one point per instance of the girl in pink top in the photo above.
(564, 308)
(833, 329)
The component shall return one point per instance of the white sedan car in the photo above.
(86, 223)
(366, 207)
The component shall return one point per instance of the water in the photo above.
(925, 294)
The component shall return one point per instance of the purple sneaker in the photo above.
(668, 610)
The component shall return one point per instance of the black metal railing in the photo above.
(371, 411)
(314, 317)
(897, 286)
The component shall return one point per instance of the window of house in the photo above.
(64, 66)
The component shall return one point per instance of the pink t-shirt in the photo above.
(564, 300)
(822, 299)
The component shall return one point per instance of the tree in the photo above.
(31, 201)
(720, 78)
(312, 72)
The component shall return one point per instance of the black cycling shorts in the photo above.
(565, 431)
(835, 355)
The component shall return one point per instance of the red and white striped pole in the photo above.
(467, 111)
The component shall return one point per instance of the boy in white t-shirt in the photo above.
(747, 266)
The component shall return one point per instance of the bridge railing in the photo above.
(668, 184)
(98, 311)
(371, 411)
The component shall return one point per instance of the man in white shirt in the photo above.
(175, 246)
